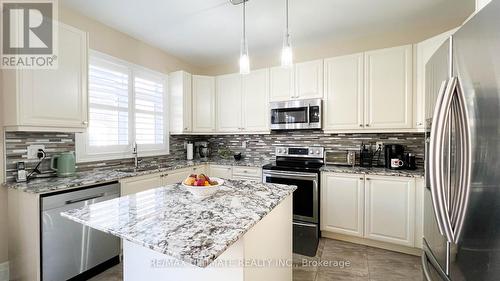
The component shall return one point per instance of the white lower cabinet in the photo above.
(138, 184)
(342, 200)
(379, 208)
(142, 183)
(390, 209)
(223, 172)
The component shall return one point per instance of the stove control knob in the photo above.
(317, 152)
(280, 151)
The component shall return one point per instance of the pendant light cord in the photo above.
(244, 21)
(287, 18)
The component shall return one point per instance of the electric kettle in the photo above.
(63, 164)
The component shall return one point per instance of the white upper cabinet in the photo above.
(342, 203)
(229, 99)
(203, 103)
(255, 105)
(309, 80)
(344, 102)
(390, 209)
(388, 88)
(180, 102)
(282, 83)
(55, 99)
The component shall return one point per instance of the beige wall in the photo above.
(3, 195)
(110, 41)
(341, 46)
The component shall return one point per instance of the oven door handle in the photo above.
(290, 175)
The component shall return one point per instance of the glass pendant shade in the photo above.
(244, 59)
(286, 52)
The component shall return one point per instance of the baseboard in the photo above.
(372, 243)
(4, 271)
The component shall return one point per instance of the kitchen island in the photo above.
(242, 232)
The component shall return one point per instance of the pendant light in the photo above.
(286, 52)
(244, 59)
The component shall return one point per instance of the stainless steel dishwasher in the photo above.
(70, 248)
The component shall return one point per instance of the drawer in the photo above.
(251, 172)
(256, 179)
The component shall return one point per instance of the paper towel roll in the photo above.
(189, 148)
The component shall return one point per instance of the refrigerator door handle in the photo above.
(464, 150)
(438, 137)
(434, 167)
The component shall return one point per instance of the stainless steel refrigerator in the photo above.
(462, 196)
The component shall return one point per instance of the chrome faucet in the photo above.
(136, 161)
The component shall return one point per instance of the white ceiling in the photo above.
(208, 32)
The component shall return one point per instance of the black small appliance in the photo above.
(394, 156)
(365, 156)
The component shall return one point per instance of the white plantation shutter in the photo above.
(108, 105)
(150, 111)
(127, 104)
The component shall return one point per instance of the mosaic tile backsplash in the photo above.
(258, 147)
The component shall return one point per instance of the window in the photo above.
(127, 104)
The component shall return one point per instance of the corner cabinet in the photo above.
(243, 102)
(51, 100)
(389, 88)
(180, 98)
(203, 103)
(342, 201)
(390, 209)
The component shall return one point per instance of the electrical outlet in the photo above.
(244, 144)
(33, 150)
(380, 145)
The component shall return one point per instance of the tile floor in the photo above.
(340, 261)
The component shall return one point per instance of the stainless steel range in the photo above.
(300, 166)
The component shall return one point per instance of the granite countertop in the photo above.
(87, 178)
(171, 221)
(419, 173)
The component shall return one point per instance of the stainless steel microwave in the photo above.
(296, 114)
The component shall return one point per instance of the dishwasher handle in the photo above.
(73, 201)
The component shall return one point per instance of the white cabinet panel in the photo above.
(203, 103)
(229, 97)
(282, 83)
(176, 176)
(342, 203)
(255, 105)
(180, 102)
(142, 184)
(309, 79)
(223, 172)
(344, 103)
(198, 170)
(390, 209)
(388, 88)
(55, 98)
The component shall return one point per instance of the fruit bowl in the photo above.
(202, 190)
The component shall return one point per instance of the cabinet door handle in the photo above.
(361, 125)
(367, 125)
(85, 123)
(368, 179)
(361, 178)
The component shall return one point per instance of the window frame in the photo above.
(87, 153)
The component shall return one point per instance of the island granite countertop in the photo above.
(171, 221)
(93, 177)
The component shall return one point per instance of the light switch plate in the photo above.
(33, 149)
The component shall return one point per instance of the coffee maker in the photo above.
(394, 156)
